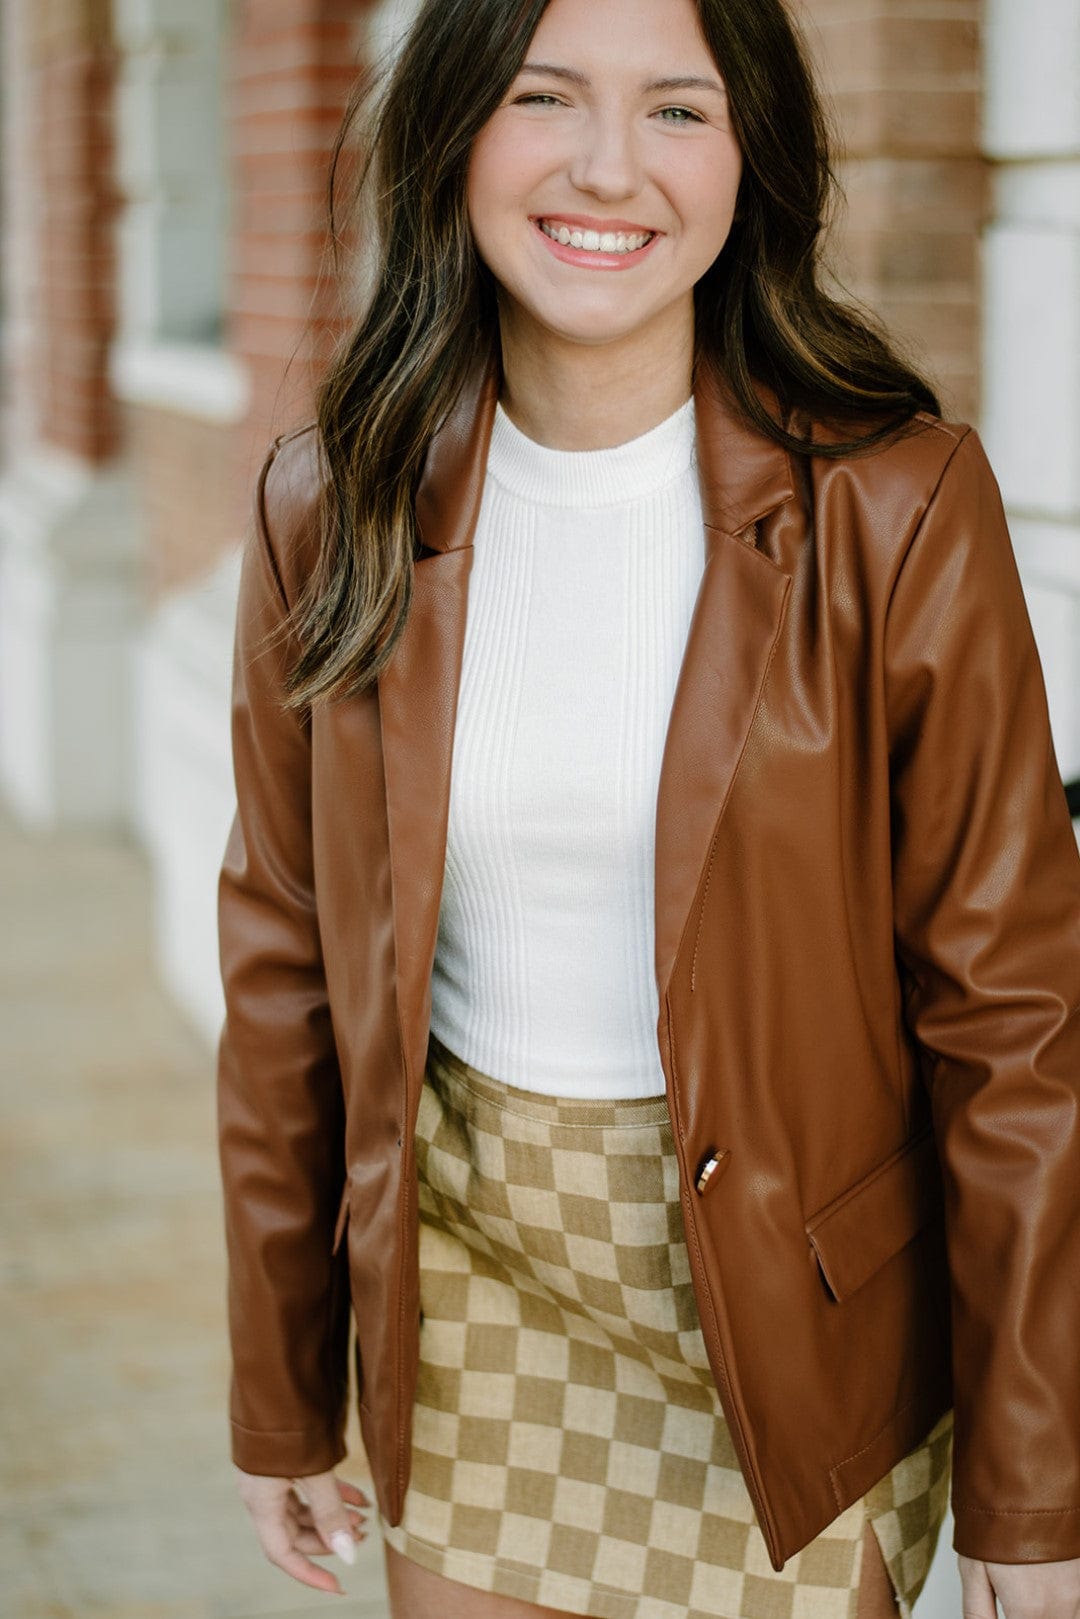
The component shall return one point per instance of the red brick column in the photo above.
(71, 149)
(905, 81)
(293, 64)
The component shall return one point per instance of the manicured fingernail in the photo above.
(343, 1544)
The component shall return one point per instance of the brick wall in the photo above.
(70, 149)
(186, 479)
(904, 79)
(293, 64)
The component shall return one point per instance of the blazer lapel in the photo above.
(418, 692)
(732, 634)
(736, 620)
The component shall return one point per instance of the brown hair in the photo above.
(429, 310)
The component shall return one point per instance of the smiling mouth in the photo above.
(592, 241)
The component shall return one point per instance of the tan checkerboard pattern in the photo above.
(569, 1447)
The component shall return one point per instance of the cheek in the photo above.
(478, 184)
(705, 193)
(494, 191)
(505, 168)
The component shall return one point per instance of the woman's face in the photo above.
(614, 137)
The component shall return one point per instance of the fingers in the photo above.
(277, 1535)
(352, 1493)
(281, 1551)
(309, 1540)
(978, 1600)
(293, 1517)
(306, 1537)
(329, 1514)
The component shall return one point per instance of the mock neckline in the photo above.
(584, 478)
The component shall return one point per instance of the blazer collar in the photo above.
(743, 474)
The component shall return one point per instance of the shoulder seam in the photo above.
(959, 438)
(954, 430)
(294, 432)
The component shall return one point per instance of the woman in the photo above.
(651, 993)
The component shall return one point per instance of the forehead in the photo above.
(623, 37)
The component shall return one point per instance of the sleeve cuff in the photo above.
(1039, 1536)
(296, 1454)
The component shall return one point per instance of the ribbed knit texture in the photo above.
(585, 572)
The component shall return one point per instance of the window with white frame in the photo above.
(172, 167)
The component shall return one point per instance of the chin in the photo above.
(591, 327)
(592, 336)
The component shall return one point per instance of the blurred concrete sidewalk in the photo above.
(116, 1492)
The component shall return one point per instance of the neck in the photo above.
(577, 396)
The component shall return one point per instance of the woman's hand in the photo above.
(319, 1514)
(1025, 1590)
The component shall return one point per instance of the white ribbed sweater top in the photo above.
(585, 571)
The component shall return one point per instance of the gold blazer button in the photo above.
(707, 1174)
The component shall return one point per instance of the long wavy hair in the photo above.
(426, 309)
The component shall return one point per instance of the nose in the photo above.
(607, 162)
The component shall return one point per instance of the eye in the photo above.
(685, 115)
(538, 95)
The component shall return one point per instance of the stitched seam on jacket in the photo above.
(283, 1433)
(690, 1230)
(403, 1452)
(1016, 1512)
(835, 1466)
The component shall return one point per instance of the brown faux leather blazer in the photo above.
(867, 915)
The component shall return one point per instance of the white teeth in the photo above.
(594, 241)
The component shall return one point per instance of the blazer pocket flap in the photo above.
(342, 1217)
(865, 1225)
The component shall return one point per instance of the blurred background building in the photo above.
(165, 314)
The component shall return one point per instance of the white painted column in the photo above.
(68, 619)
(185, 794)
(68, 594)
(1031, 334)
(387, 25)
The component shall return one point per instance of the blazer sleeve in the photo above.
(987, 931)
(279, 1096)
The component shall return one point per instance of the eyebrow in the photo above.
(683, 81)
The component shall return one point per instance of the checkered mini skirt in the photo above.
(569, 1447)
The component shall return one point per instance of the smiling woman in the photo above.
(706, 117)
(635, 715)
